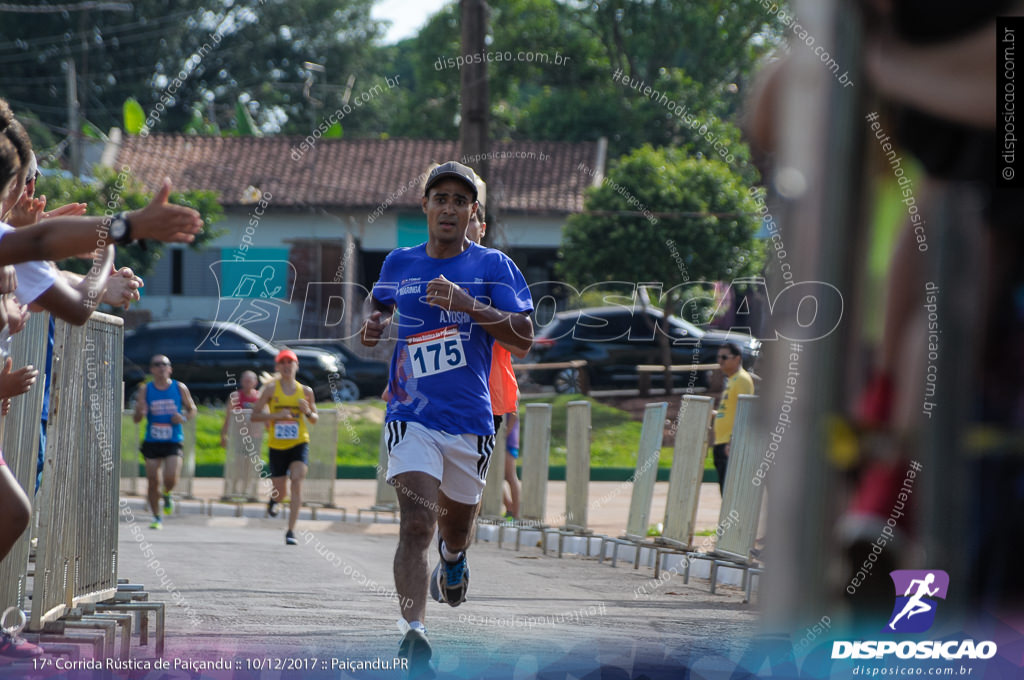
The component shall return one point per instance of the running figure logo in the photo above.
(251, 296)
(914, 611)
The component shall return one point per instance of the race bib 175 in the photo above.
(436, 351)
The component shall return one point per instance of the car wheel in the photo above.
(347, 391)
(568, 381)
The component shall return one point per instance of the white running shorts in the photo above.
(458, 461)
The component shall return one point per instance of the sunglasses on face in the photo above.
(725, 357)
(156, 364)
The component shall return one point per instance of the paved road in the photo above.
(235, 590)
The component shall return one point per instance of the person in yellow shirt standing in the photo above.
(737, 382)
(287, 406)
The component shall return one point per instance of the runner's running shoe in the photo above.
(416, 649)
(450, 580)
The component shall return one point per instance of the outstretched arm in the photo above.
(60, 237)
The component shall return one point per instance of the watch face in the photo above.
(118, 228)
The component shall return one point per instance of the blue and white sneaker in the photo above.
(450, 580)
(415, 650)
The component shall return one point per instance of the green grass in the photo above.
(615, 435)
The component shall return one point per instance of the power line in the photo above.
(61, 78)
(48, 39)
(78, 7)
(56, 50)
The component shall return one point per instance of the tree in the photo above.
(111, 193)
(256, 57)
(661, 215)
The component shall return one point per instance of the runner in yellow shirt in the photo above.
(287, 406)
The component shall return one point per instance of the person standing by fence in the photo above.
(165, 404)
(737, 382)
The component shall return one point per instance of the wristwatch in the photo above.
(120, 229)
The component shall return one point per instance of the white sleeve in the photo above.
(34, 278)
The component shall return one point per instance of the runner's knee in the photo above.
(418, 526)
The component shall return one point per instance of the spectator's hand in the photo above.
(69, 210)
(13, 383)
(5, 406)
(122, 288)
(26, 211)
(8, 280)
(163, 221)
(17, 315)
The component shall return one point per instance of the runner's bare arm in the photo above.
(513, 328)
(260, 412)
(517, 352)
(186, 401)
(310, 402)
(140, 404)
(377, 320)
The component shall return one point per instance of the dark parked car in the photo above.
(614, 340)
(204, 354)
(363, 377)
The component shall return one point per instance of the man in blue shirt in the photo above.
(165, 404)
(453, 299)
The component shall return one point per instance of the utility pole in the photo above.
(475, 93)
(74, 124)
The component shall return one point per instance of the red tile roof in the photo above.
(360, 174)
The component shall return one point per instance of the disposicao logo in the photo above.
(914, 612)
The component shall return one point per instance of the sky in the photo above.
(406, 16)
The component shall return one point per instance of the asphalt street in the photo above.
(237, 593)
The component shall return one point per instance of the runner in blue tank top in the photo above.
(165, 404)
(453, 299)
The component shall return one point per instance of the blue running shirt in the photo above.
(440, 368)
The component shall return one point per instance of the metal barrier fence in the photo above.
(318, 489)
(129, 454)
(385, 497)
(76, 560)
(243, 466)
(20, 444)
(742, 498)
(646, 470)
(185, 487)
(536, 451)
(492, 502)
(646, 474)
(577, 465)
(691, 447)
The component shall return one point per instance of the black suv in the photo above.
(615, 340)
(205, 354)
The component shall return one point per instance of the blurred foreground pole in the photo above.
(818, 180)
(475, 95)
